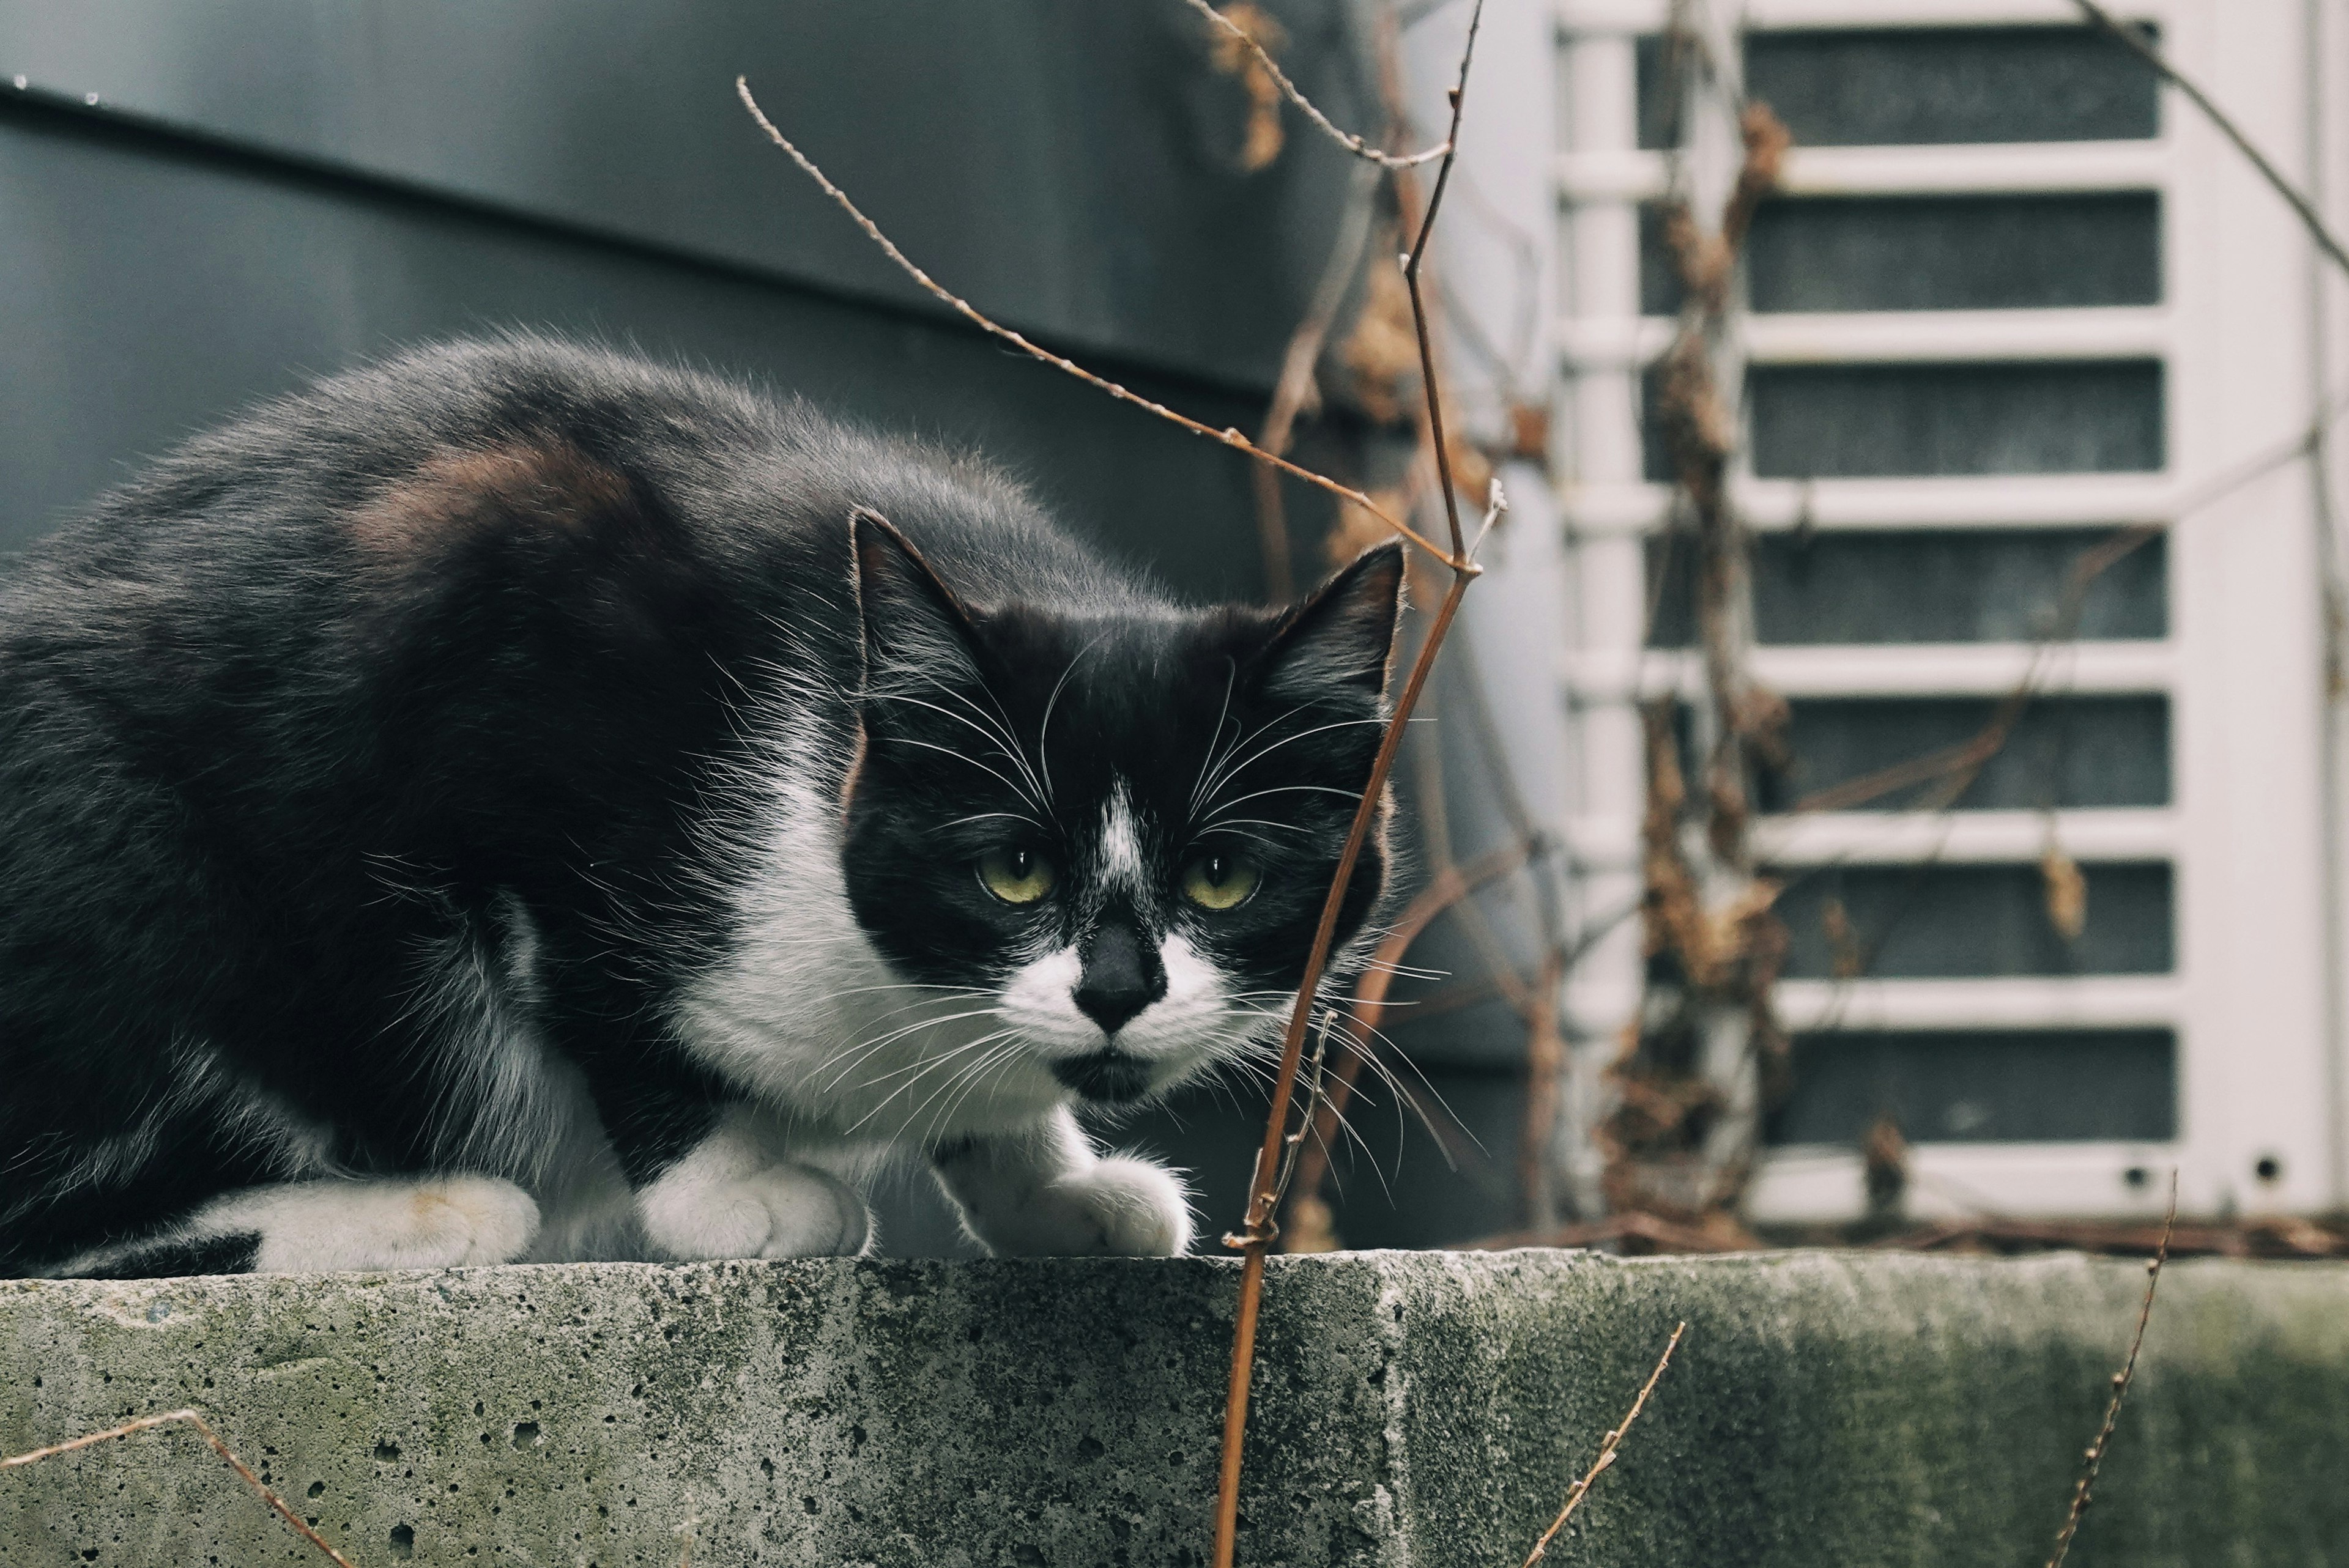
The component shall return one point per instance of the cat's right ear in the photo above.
(915, 632)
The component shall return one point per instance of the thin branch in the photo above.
(1345, 138)
(1411, 263)
(2301, 205)
(1290, 393)
(1606, 1451)
(203, 1430)
(1231, 436)
(1259, 1230)
(2095, 1455)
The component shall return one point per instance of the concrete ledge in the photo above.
(1423, 1409)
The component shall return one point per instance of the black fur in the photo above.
(496, 636)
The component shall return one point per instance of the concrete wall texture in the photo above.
(1410, 1408)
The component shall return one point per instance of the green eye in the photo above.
(1219, 881)
(1015, 876)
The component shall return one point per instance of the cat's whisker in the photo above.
(1044, 727)
(970, 1077)
(1264, 1068)
(952, 1070)
(1287, 789)
(1260, 753)
(1262, 822)
(975, 762)
(1034, 792)
(926, 1063)
(866, 1049)
(989, 816)
(942, 1062)
(1223, 770)
(1404, 1097)
(1215, 735)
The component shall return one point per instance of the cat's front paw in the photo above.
(782, 1211)
(1117, 1207)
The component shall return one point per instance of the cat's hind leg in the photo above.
(317, 1227)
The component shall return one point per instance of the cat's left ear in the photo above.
(1344, 635)
(915, 630)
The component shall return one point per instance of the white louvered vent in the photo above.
(2010, 298)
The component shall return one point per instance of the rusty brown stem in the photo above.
(2301, 206)
(1264, 1196)
(1257, 1237)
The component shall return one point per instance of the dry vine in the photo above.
(1231, 436)
(1391, 161)
(1385, 368)
(1256, 1237)
(1614, 1440)
(1681, 1141)
(2095, 1451)
(2301, 206)
(203, 1430)
(1259, 1231)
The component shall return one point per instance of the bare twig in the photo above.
(203, 1430)
(1345, 138)
(1259, 1230)
(1606, 1451)
(2301, 205)
(1231, 436)
(1296, 382)
(2095, 1454)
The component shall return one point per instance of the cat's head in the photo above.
(1115, 831)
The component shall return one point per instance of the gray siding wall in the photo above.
(267, 188)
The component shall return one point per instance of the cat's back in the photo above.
(507, 453)
(516, 506)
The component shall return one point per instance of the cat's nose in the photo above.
(1122, 975)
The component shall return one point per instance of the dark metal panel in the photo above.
(1891, 86)
(148, 290)
(1828, 421)
(2033, 1086)
(1065, 163)
(1935, 252)
(1924, 585)
(1944, 921)
(2063, 752)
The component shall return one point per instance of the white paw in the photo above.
(782, 1211)
(1118, 1207)
(312, 1227)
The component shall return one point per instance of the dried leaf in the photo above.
(2068, 893)
(1846, 960)
(1263, 138)
(1884, 1159)
(1312, 1227)
(1529, 432)
(1383, 349)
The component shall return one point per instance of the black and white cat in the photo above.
(520, 803)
